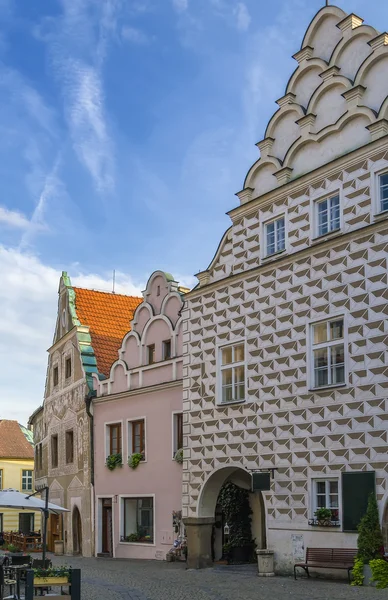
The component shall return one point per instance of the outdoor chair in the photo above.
(6, 581)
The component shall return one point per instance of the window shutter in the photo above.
(356, 488)
(261, 482)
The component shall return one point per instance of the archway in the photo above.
(77, 531)
(203, 540)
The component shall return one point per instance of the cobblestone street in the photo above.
(104, 579)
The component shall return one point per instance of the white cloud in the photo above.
(136, 36)
(13, 218)
(243, 18)
(28, 306)
(180, 5)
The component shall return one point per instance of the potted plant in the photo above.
(179, 456)
(12, 549)
(52, 575)
(369, 565)
(323, 516)
(135, 459)
(114, 460)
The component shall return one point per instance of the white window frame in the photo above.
(121, 519)
(314, 503)
(273, 219)
(107, 439)
(220, 368)
(316, 202)
(129, 437)
(27, 478)
(174, 439)
(164, 349)
(375, 189)
(312, 347)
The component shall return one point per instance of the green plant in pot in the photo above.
(179, 456)
(113, 461)
(370, 544)
(135, 459)
(323, 515)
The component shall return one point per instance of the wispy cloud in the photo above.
(180, 5)
(13, 218)
(135, 36)
(243, 18)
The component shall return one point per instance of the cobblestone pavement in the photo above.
(104, 579)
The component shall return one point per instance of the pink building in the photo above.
(138, 421)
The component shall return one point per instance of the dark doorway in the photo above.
(77, 531)
(106, 546)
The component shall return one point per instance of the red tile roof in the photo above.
(13, 442)
(108, 316)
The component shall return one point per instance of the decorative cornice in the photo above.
(245, 195)
(137, 391)
(378, 129)
(349, 23)
(287, 99)
(307, 122)
(203, 278)
(303, 54)
(265, 146)
(354, 95)
(379, 41)
(329, 73)
(283, 175)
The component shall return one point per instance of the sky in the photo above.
(126, 128)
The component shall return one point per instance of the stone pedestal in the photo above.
(265, 563)
(199, 532)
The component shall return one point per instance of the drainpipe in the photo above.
(89, 411)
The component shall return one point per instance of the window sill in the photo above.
(328, 387)
(231, 402)
(325, 236)
(316, 523)
(144, 544)
(381, 215)
(274, 255)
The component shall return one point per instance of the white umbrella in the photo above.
(13, 499)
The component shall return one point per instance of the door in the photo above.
(107, 526)
(53, 531)
(77, 531)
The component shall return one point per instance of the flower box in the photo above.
(50, 580)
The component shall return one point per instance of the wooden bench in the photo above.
(328, 558)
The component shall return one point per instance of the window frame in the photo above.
(68, 361)
(108, 429)
(56, 453)
(130, 424)
(69, 462)
(312, 347)
(220, 368)
(164, 344)
(176, 416)
(32, 519)
(315, 215)
(264, 246)
(27, 489)
(122, 519)
(314, 503)
(55, 375)
(148, 350)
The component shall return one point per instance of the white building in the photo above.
(286, 334)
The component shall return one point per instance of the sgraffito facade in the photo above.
(285, 336)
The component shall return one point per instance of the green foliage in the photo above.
(234, 502)
(358, 572)
(379, 569)
(13, 548)
(132, 537)
(323, 514)
(57, 571)
(113, 461)
(370, 538)
(179, 456)
(135, 459)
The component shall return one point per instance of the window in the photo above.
(136, 437)
(54, 451)
(69, 447)
(178, 432)
(151, 354)
(166, 349)
(114, 438)
(326, 495)
(232, 373)
(383, 186)
(40, 461)
(26, 523)
(27, 481)
(1, 523)
(1, 483)
(356, 489)
(55, 376)
(68, 368)
(328, 353)
(328, 215)
(275, 236)
(138, 520)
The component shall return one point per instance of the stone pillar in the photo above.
(199, 533)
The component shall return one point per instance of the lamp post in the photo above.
(45, 511)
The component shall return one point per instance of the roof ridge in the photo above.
(104, 292)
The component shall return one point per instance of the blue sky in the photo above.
(126, 127)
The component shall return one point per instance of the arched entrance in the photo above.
(204, 541)
(77, 531)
